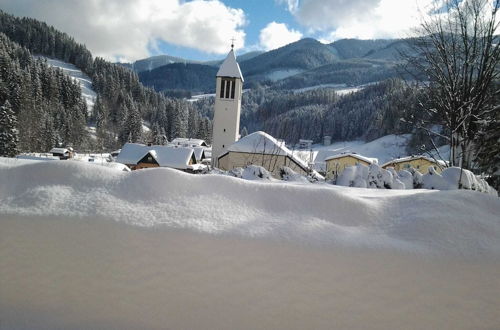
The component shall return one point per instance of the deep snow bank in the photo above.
(75, 269)
(460, 222)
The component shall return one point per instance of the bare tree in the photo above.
(457, 54)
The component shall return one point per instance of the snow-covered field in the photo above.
(86, 246)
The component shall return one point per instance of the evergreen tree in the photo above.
(8, 133)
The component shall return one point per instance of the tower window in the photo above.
(227, 88)
(222, 146)
(222, 87)
(224, 129)
(232, 88)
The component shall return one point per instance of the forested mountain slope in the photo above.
(122, 101)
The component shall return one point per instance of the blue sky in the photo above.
(128, 30)
(258, 15)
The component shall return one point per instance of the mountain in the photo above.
(287, 60)
(391, 51)
(192, 77)
(49, 105)
(303, 63)
(153, 62)
(350, 72)
(356, 48)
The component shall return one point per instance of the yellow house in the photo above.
(336, 164)
(260, 148)
(420, 163)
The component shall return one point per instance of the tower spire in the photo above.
(232, 43)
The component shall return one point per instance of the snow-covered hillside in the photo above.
(85, 82)
(85, 246)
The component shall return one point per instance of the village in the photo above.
(231, 154)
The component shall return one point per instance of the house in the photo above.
(137, 156)
(336, 164)
(62, 153)
(260, 148)
(188, 143)
(419, 162)
(305, 144)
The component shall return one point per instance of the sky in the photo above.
(128, 30)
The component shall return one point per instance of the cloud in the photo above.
(275, 35)
(129, 29)
(364, 19)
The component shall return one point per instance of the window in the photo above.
(224, 129)
(222, 87)
(227, 88)
(222, 146)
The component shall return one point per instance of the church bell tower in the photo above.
(226, 123)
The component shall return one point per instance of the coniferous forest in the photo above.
(49, 107)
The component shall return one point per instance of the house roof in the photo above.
(410, 158)
(61, 151)
(190, 142)
(165, 156)
(355, 155)
(199, 153)
(261, 143)
(230, 67)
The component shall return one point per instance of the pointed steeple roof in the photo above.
(230, 67)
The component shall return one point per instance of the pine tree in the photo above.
(8, 133)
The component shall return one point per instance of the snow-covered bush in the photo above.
(287, 174)
(406, 178)
(251, 172)
(354, 176)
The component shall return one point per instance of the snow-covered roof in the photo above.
(262, 143)
(355, 155)
(190, 142)
(410, 158)
(165, 156)
(230, 67)
(61, 151)
(199, 153)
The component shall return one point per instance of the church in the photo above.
(258, 148)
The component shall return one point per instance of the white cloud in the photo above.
(275, 35)
(364, 19)
(130, 28)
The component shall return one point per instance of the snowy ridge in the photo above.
(76, 74)
(454, 222)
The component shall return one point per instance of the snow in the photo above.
(230, 68)
(282, 74)
(261, 143)
(77, 75)
(85, 246)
